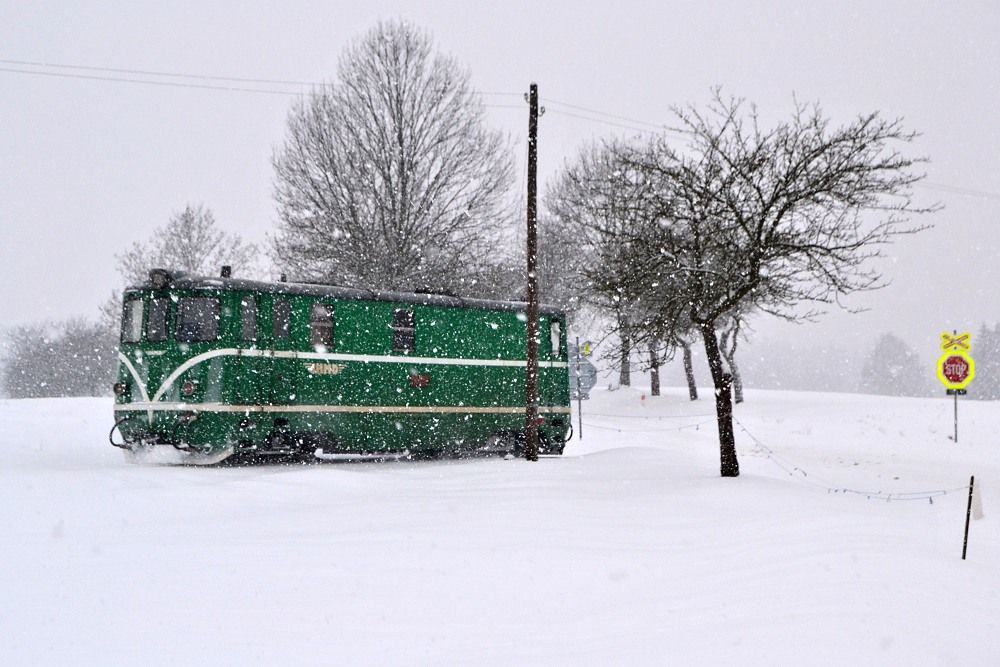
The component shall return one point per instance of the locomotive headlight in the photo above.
(188, 388)
(120, 388)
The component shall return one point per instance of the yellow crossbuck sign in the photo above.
(957, 342)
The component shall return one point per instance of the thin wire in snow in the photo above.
(649, 430)
(598, 414)
(796, 471)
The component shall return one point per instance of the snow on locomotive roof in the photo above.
(181, 280)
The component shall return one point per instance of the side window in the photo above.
(321, 325)
(157, 325)
(403, 331)
(248, 315)
(197, 319)
(282, 319)
(132, 321)
(555, 337)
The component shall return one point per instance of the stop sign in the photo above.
(955, 368)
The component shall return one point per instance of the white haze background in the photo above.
(90, 166)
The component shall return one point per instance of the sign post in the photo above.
(956, 368)
(586, 376)
(579, 390)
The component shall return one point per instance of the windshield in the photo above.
(197, 319)
(132, 320)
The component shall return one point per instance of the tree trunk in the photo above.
(737, 383)
(689, 373)
(625, 366)
(723, 381)
(729, 353)
(654, 372)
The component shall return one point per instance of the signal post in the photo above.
(956, 368)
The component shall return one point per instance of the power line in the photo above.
(603, 122)
(150, 82)
(205, 77)
(628, 124)
(656, 126)
(955, 190)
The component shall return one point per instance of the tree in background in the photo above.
(562, 259)
(728, 341)
(986, 352)
(71, 358)
(692, 385)
(191, 242)
(79, 358)
(388, 178)
(754, 219)
(599, 203)
(893, 369)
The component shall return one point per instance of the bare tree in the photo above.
(729, 339)
(70, 358)
(692, 385)
(388, 178)
(562, 258)
(605, 206)
(766, 219)
(190, 241)
(657, 355)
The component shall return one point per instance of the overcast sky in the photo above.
(87, 166)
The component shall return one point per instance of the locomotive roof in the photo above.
(180, 280)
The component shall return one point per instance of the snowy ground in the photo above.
(628, 550)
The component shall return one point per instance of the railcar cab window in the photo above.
(403, 331)
(282, 319)
(248, 309)
(132, 320)
(197, 319)
(159, 314)
(321, 326)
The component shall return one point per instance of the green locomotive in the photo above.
(218, 367)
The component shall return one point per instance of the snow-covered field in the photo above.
(628, 550)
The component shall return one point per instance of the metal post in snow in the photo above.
(956, 415)
(968, 515)
(579, 390)
(955, 332)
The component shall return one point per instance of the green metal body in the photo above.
(459, 386)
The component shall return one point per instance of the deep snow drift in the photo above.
(628, 550)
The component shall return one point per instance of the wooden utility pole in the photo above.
(531, 377)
